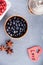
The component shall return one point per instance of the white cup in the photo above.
(35, 6)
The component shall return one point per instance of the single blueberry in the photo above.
(17, 21)
(17, 28)
(10, 20)
(8, 27)
(8, 23)
(14, 18)
(19, 25)
(16, 24)
(12, 28)
(10, 34)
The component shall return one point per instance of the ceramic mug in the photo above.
(35, 6)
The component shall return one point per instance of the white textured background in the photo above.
(33, 37)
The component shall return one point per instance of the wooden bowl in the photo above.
(16, 26)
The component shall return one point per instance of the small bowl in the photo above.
(15, 26)
(8, 5)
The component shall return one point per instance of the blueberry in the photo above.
(16, 24)
(8, 27)
(8, 23)
(14, 18)
(19, 25)
(22, 25)
(17, 21)
(11, 35)
(20, 29)
(19, 33)
(22, 20)
(10, 20)
(15, 35)
(7, 30)
(17, 28)
(12, 28)
(15, 32)
(13, 23)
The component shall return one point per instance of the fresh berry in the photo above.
(2, 6)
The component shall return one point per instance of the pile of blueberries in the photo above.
(16, 26)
